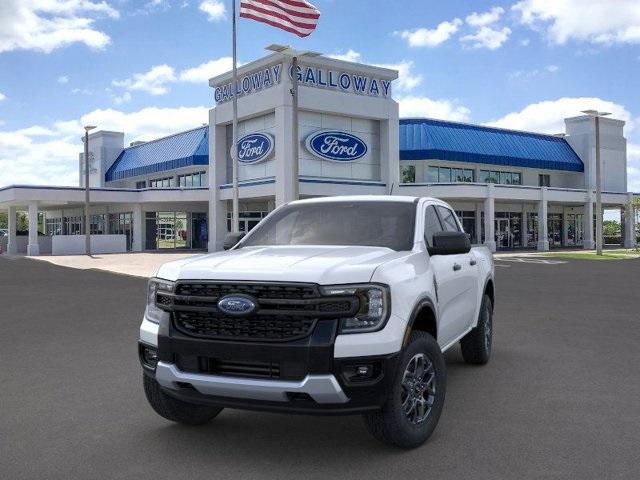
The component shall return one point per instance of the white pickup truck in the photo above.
(340, 305)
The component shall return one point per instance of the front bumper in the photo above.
(309, 378)
(320, 388)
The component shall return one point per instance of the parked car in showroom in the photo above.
(340, 305)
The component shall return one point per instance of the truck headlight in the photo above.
(153, 312)
(374, 308)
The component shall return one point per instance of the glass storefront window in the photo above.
(504, 178)
(432, 175)
(444, 175)
(176, 230)
(408, 174)
(468, 220)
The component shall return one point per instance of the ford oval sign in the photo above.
(236, 305)
(336, 146)
(255, 147)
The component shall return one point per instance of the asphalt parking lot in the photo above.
(560, 398)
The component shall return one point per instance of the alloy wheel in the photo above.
(418, 388)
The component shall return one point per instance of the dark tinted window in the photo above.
(431, 225)
(448, 218)
(378, 224)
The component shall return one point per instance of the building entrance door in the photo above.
(575, 232)
(504, 238)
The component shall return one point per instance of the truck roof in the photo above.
(361, 198)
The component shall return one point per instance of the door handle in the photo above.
(472, 262)
(456, 267)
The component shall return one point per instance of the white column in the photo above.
(33, 248)
(489, 220)
(629, 224)
(138, 228)
(12, 247)
(543, 236)
(588, 240)
(217, 224)
(284, 156)
(478, 223)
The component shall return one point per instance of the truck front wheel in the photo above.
(174, 409)
(414, 404)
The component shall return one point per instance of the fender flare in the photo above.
(484, 289)
(427, 302)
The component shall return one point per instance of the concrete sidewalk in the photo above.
(135, 264)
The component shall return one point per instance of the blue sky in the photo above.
(142, 66)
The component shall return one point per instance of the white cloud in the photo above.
(529, 74)
(120, 99)
(415, 106)
(349, 56)
(548, 116)
(203, 72)
(2, 96)
(483, 19)
(214, 9)
(595, 21)
(63, 79)
(487, 37)
(48, 155)
(45, 25)
(423, 37)
(154, 81)
(407, 78)
(525, 42)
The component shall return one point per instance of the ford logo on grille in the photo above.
(336, 146)
(236, 305)
(255, 147)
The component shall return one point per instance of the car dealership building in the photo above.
(511, 189)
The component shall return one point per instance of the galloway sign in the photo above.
(342, 81)
(336, 146)
(255, 148)
(252, 82)
(309, 76)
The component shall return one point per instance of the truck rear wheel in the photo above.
(476, 345)
(415, 402)
(177, 410)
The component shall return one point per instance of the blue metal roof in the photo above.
(180, 150)
(427, 139)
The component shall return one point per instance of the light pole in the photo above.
(596, 115)
(87, 218)
(294, 55)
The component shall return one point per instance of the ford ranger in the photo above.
(340, 305)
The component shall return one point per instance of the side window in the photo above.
(432, 225)
(448, 218)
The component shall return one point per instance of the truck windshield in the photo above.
(375, 224)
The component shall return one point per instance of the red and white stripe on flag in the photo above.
(295, 16)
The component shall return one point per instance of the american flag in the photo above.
(295, 16)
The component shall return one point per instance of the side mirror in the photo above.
(450, 243)
(232, 239)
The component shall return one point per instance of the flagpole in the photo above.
(294, 130)
(235, 220)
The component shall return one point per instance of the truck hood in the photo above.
(315, 264)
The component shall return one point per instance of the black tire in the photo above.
(476, 345)
(392, 425)
(177, 410)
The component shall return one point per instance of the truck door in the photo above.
(455, 278)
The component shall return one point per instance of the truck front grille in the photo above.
(285, 311)
(263, 327)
